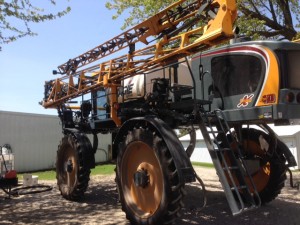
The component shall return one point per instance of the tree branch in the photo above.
(285, 8)
(254, 6)
(268, 34)
(272, 10)
(257, 15)
(286, 31)
(15, 11)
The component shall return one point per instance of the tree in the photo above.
(269, 19)
(258, 19)
(138, 10)
(16, 16)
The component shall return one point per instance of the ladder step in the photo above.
(232, 178)
(231, 168)
(223, 150)
(239, 187)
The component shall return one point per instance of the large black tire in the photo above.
(268, 171)
(156, 197)
(72, 173)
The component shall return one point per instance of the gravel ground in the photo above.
(101, 206)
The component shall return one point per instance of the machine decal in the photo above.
(128, 88)
(269, 99)
(244, 102)
(266, 115)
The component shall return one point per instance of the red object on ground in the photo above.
(10, 174)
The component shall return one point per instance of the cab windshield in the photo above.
(236, 74)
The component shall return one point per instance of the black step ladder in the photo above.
(229, 163)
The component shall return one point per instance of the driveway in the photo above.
(101, 206)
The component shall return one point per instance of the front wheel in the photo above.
(267, 171)
(72, 173)
(147, 179)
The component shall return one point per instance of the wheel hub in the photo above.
(141, 178)
(69, 166)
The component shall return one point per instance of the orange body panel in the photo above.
(271, 82)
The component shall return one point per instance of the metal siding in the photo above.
(200, 153)
(34, 139)
(104, 143)
(291, 143)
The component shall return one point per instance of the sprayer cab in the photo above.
(251, 81)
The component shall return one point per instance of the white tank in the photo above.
(133, 88)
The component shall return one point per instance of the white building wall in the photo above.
(201, 153)
(291, 143)
(103, 153)
(34, 140)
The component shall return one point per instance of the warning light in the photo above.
(290, 97)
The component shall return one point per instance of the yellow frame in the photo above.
(110, 73)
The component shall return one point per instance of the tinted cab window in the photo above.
(236, 74)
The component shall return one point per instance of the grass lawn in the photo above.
(107, 169)
(202, 164)
(51, 174)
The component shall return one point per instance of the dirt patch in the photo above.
(101, 206)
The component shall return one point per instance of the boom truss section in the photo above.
(162, 23)
(175, 42)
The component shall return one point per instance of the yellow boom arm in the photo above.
(175, 42)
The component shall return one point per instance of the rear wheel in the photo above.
(267, 171)
(147, 179)
(72, 174)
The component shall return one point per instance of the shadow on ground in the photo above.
(101, 206)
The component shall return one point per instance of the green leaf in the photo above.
(23, 12)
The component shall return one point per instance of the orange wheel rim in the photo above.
(143, 201)
(261, 175)
(70, 168)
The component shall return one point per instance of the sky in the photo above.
(27, 63)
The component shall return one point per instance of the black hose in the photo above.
(190, 149)
(292, 183)
(203, 189)
(27, 190)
